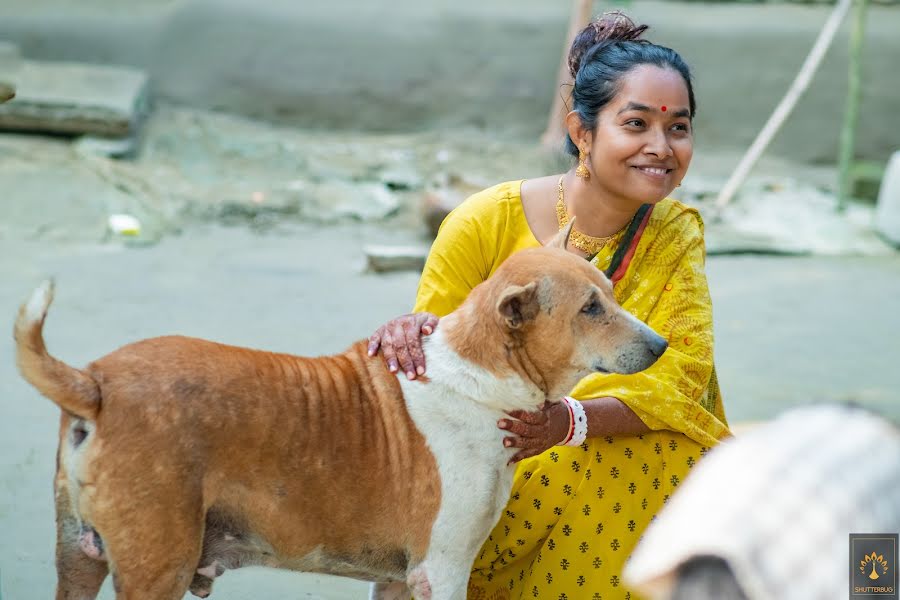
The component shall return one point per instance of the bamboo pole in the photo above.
(787, 104)
(851, 116)
(555, 131)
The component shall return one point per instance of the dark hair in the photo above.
(602, 53)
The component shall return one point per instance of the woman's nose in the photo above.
(658, 145)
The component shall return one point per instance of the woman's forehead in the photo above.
(650, 87)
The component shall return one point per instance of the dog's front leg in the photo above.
(458, 534)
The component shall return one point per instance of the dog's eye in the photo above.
(593, 308)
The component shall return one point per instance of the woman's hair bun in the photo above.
(611, 26)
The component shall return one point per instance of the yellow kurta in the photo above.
(575, 514)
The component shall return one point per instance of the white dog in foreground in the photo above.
(769, 513)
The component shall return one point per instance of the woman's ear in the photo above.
(580, 136)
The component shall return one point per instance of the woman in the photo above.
(576, 512)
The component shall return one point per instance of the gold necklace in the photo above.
(588, 244)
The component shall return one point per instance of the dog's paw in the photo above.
(201, 586)
(418, 582)
(396, 590)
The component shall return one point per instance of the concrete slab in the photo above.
(75, 98)
(782, 215)
(383, 258)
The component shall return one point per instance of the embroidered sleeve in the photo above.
(671, 295)
(454, 266)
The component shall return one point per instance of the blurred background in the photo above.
(271, 174)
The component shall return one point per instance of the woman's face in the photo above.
(643, 142)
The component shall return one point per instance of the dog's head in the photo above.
(560, 321)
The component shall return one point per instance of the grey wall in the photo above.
(408, 64)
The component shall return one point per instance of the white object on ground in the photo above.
(124, 225)
(887, 215)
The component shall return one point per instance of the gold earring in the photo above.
(582, 170)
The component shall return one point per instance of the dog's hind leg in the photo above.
(79, 576)
(153, 552)
(155, 565)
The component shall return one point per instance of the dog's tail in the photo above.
(72, 389)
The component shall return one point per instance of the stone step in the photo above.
(383, 258)
(73, 98)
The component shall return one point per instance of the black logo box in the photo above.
(863, 545)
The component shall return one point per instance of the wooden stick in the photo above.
(851, 116)
(784, 108)
(555, 131)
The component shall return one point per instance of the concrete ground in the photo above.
(789, 331)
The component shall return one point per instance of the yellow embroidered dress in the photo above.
(575, 514)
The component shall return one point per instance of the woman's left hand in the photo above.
(535, 432)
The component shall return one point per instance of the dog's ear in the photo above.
(561, 239)
(518, 304)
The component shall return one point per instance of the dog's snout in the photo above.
(644, 349)
(657, 344)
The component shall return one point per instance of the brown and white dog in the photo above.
(180, 458)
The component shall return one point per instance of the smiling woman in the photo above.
(581, 500)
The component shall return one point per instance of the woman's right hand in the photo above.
(400, 341)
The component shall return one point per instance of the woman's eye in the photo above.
(634, 122)
(681, 127)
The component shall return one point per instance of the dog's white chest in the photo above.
(466, 443)
(462, 434)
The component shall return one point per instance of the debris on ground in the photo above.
(195, 166)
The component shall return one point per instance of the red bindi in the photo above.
(663, 109)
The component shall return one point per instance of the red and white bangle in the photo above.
(571, 430)
(577, 423)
